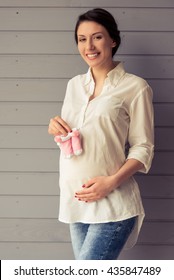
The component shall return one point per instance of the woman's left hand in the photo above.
(96, 188)
(99, 187)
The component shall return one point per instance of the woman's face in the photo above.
(95, 44)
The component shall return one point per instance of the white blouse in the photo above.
(121, 115)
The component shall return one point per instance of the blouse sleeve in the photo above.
(141, 130)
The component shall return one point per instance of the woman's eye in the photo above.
(98, 37)
(82, 39)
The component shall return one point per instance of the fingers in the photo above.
(86, 196)
(89, 183)
(63, 125)
(58, 126)
(88, 193)
(95, 189)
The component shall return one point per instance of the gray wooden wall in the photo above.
(37, 57)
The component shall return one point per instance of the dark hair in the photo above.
(103, 18)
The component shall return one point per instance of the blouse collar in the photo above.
(114, 75)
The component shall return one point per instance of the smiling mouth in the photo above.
(92, 56)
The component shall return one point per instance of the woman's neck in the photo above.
(99, 76)
(100, 73)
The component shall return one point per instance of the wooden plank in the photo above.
(33, 90)
(162, 164)
(32, 137)
(164, 138)
(148, 234)
(133, 18)
(48, 66)
(50, 230)
(159, 209)
(140, 66)
(63, 251)
(19, 113)
(46, 160)
(42, 43)
(35, 3)
(133, 43)
(35, 251)
(29, 207)
(84, 3)
(148, 43)
(29, 183)
(33, 230)
(22, 160)
(164, 115)
(41, 66)
(148, 252)
(54, 90)
(156, 186)
(48, 184)
(162, 90)
(47, 207)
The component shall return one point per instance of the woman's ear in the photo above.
(114, 44)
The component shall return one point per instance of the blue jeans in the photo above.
(103, 241)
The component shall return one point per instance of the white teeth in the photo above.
(92, 55)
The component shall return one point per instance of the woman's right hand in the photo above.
(58, 126)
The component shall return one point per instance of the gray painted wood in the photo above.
(59, 42)
(25, 183)
(135, 19)
(40, 160)
(19, 137)
(37, 57)
(19, 113)
(34, 230)
(21, 183)
(84, 3)
(48, 66)
(36, 251)
(44, 90)
(149, 252)
(47, 207)
(53, 90)
(50, 230)
(63, 251)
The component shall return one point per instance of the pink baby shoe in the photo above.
(76, 142)
(64, 143)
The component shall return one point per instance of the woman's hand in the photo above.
(99, 187)
(58, 126)
(96, 188)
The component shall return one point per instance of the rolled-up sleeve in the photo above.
(141, 130)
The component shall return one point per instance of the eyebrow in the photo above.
(99, 32)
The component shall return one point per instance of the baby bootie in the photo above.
(64, 143)
(76, 142)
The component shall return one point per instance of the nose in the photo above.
(89, 44)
